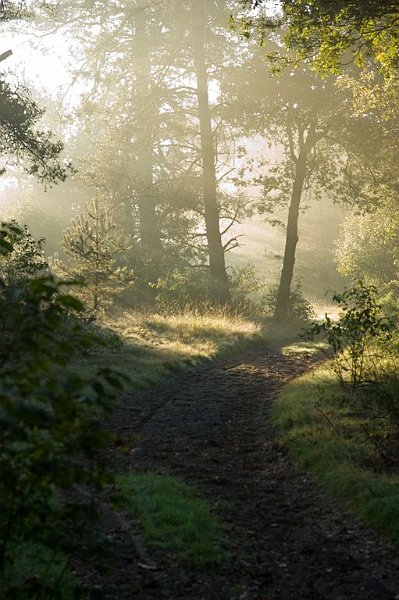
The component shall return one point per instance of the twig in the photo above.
(333, 425)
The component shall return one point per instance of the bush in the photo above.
(25, 256)
(360, 337)
(196, 288)
(182, 288)
(49, 422)
(299, 307)
(245, 289)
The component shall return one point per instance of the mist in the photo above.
(199, 299)
(174, 124)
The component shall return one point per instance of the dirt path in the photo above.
(210, 427)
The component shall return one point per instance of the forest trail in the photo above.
(210, 427)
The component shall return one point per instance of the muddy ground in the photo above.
(286, 541)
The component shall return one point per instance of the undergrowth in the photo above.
(173, 517)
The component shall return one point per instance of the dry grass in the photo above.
(149, 347)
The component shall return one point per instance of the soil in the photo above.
(286, 540)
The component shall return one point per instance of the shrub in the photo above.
(25, 258)
(49, 422)
(245, 289)
(196, 288)
(182, 288)
(299, 307)
(359, 337)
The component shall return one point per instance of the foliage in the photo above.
(356, 41)
(368, 245)
(245, 288)
(357, 334)
(26, 259)
(184, 287)
(96, 249)
(173, 517)
(22, 142)
(14, 9)
(326, 32)
(36, 571)
(196, 288)
(49, 420)
(299, 307)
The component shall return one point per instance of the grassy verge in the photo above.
(173, 517)
(149, 347)
(328, 432)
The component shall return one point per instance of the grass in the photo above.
(149, 347)
(326, 431)
(173, 517)
(300, 348)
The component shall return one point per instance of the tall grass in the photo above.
(149, 347)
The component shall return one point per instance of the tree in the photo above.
(21, 142)
(170, 139)
(309, 163)
(217, 265)
(96, 249)
(358, 42)
(301, 118)
(368, 248)
(132, 156)
(332, 32)
(26, 259)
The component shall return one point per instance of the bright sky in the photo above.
(44, 65)
(39, 63)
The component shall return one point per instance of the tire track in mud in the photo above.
(210, 427)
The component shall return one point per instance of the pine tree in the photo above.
(96, 249)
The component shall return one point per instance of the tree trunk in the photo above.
(217, 265)
(283, 294)
(147, 116)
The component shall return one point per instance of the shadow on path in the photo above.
(210, 427)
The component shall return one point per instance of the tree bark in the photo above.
(217, 265)
(283, 294)
(147, 115)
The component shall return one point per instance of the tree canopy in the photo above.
(21, 141)
(334, 33)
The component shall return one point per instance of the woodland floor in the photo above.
(286, 541)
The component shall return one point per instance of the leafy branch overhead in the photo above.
(21, 142)
(333, 34)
